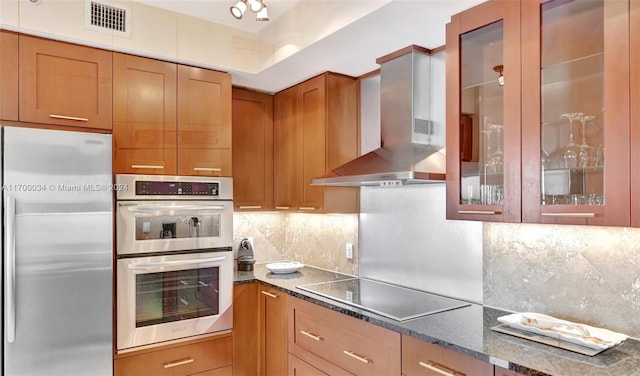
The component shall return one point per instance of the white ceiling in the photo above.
(351, 50)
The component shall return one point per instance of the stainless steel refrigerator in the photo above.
(57, 252)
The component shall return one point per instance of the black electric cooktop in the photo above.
(395, 302)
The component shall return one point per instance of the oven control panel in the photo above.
(176, 188)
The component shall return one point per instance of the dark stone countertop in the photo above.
(465, 330)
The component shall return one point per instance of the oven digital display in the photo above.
(166, 188)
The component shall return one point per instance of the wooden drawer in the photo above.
(298, 367)
(354, 345)
(193, 358)
(422, 358)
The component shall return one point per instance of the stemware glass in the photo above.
(587, 156)
(570, 152)
(496, 158)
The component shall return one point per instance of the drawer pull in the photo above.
(307, 208)
(250, 207)
(356, 356)
(269, 294)
(311, 335)
(432, 367)
(481, 212)
(68, 117)
(570, 215)
(282, 207)
(147, 166)
(211, 169)
(176, 363)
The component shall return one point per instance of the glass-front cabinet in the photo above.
(558, 150)
(483, 113)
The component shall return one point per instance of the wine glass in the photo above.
(570, 152)
(496, 159)
(587, 154)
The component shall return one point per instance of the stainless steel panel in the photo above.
(61, 185)
(405, 239)
(126, 187)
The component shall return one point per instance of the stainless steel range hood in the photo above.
(412, 147)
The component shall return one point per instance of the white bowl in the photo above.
(284, 267)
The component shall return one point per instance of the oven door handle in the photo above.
(161, 264)
(166, 208)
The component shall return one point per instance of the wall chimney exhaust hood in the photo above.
(412, 147)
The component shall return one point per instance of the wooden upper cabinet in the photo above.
(575, 113)
(252, 150)
(144, 128)
(483, 113)
(8, 76)
(284, 149)
(64, 84)
(635, 112)
(538, 112)
(312, 141)
(315, 130)
(204, 122)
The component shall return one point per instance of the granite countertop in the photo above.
(465, 330)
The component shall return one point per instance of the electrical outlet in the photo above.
(349, 249)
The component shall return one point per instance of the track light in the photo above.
(256, 6)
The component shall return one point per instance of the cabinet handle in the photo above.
(572, 215)
(68, 117)
(147, 166)
(481, 212)
(307, 208)
(356, 356)
(211, 169)
(282, 207)
(311, 335)
(178, 362)
(432, 367)
(250, 207)
(269, 294)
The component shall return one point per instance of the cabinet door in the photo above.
(483, 113)
(246, 347)
(576, 112)
(204, 122)
(8, 76)
(252, 150)
(144, 127)
(65, 84)
(423, 358)
(311, 137)
(298, 367)
(285, 149)
(175, 360)
(273, 331)
(635, 112)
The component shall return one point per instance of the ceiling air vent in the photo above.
(106, 17)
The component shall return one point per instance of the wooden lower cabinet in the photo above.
(348, 345)
(423, 358)
(298, 367)
(211, 356)
(259, 330)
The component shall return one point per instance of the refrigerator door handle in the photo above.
(10, 263)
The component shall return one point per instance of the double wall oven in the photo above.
(174, 272)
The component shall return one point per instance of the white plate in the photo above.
(284, 267)
(580, 334)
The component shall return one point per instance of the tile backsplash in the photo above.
(585, 274)
(313, 239)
